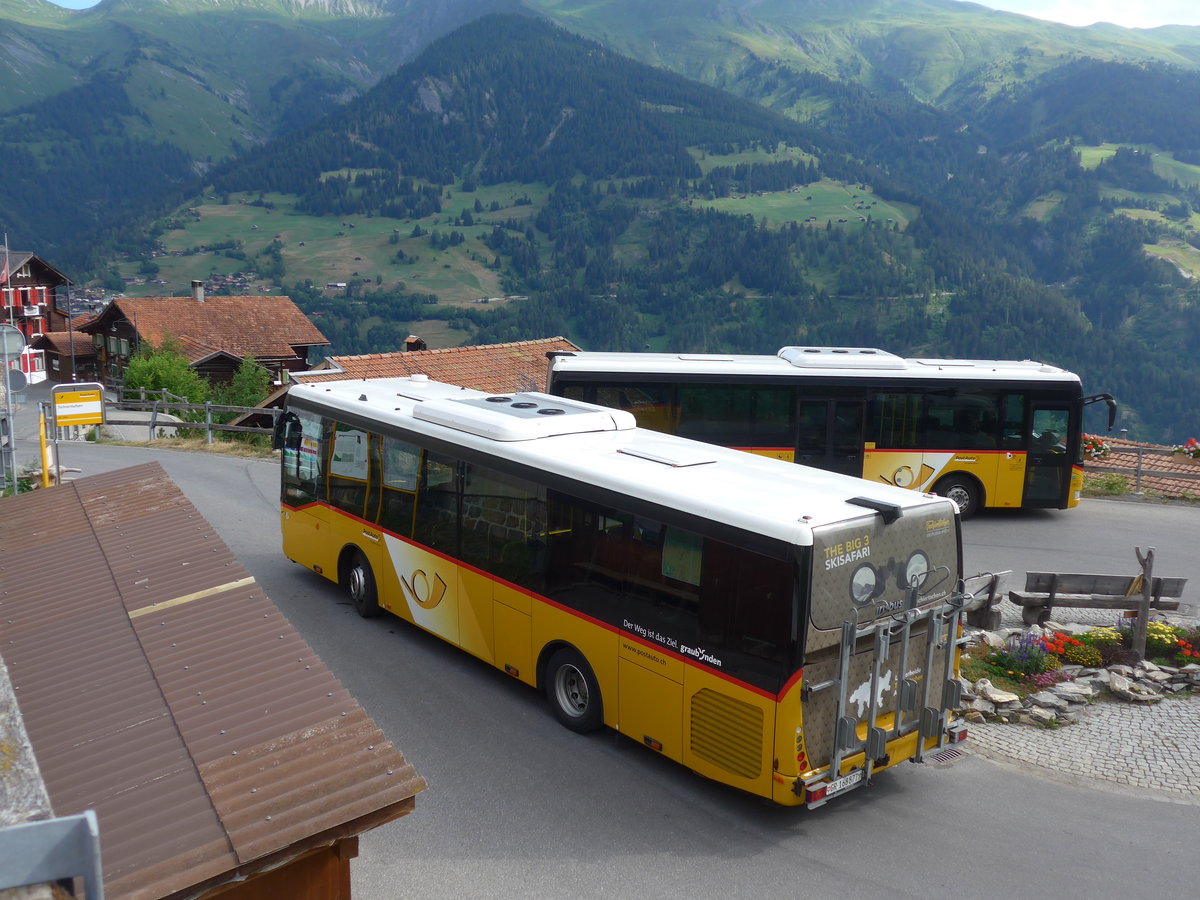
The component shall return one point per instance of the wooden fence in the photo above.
(162, 403)
(1140, 469)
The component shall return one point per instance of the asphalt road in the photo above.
(519, 807)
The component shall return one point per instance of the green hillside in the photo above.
(1009, 188)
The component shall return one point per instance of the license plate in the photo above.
(847, 781)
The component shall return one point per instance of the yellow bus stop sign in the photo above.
(78, 404)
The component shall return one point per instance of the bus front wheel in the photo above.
(573, 692)
(359, 582)
(965, 493)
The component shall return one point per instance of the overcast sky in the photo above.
(1144, 14)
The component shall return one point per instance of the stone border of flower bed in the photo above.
(1062, 703)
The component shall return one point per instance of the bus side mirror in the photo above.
(287, 434)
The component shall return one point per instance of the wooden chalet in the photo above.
(29, 288)
(215, 333)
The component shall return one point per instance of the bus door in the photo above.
(1048, 465)
(829, 433)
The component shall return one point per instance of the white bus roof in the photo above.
(602, 447)
(813, 362)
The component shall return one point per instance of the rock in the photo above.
(982, 706)
(974, 716)
(1074, 691)
(1191, 669)
(1134, 693)
(994, 640)
(968, 689)
(985, 689)
(1121, 670)
(1042, 716)
(1146, 666)
(1048, 700)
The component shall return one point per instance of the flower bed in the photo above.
(1031, 662)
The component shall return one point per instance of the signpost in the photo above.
(12, 342)
(78, 404)
(74, 404)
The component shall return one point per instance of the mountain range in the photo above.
(1003, 186)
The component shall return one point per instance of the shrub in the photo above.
(1109, 484)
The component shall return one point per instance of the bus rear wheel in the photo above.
(965, 493)
(572, 690)
(359, 581)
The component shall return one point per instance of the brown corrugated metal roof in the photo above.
(162, 688)
(496, 368)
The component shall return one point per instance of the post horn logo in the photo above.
(423, 592)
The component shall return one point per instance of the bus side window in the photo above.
(1012, 422)
(896, 422)
(504, 525)
(436, 521)
(401, 466)
(348, 467)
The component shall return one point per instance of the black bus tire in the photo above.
(573, 692)
(359, 582)
(964, 491)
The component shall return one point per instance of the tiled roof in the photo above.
(61, 342)
(160, 687)
(496, 368)
(263, 327)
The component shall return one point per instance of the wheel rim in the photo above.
(358, 583)
(570, 689)
(961, 495)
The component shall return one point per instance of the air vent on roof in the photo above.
(522, 417)
(840, 358)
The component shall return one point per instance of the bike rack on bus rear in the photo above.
(930, 718)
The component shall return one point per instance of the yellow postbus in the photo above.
(986, 433)
(780, 629)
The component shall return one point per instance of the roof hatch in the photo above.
(841, 358)
(521, 417)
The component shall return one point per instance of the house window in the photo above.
(97, 340)
(124, 347)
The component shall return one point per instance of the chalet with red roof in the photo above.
(28, 293)
(215, 333)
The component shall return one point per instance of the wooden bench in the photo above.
(986, 591)
(1046, 590)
